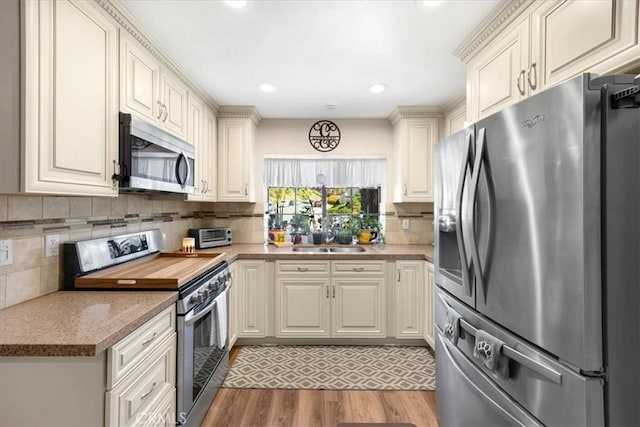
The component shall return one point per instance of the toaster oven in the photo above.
(211, 237)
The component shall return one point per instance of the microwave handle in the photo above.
(182, 157)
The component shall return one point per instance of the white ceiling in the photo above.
(317, 53)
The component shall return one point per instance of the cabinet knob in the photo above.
(303, 269)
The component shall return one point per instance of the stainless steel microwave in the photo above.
(211, 237)
(152, 160)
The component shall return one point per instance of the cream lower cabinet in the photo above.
(233, 304)
(429, 306)
(409, 300)
(252, 306)
(325, 299)
(130, 384)
(70, 99)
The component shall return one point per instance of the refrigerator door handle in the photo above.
(523, 359)
(475, 180)
(459, 231)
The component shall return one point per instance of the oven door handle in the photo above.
(191, 318)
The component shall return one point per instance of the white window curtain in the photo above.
(362, 173)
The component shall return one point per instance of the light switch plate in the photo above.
(51, 245)
(6, 252)
(405, 224)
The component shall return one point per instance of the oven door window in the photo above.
(154, 162)
(206, 354)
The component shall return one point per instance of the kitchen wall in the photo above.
(359, 137)
(25, 220)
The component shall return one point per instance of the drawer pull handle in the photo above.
(126, 282)
(153, 337)
(153, 387)
(303, 269)
(358, 268)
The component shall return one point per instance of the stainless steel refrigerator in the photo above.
(537, 261)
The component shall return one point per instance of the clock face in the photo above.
(324, 135)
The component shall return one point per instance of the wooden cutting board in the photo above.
(163, 271)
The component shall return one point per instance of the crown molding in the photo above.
(239, 112)
(503, 15)
(131, 25)
(454, 104)
(414, 112)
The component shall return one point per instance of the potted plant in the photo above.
(364, 228)
(299, 226)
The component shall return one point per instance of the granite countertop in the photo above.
(82, 323)
(76, 323)
(261, 251)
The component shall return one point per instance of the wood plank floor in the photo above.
(302, 408)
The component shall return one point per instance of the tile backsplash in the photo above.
(25, 220)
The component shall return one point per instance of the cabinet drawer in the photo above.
(302, 267)
(351, 268)
(164, 414)
(128, 352)
(138, 395)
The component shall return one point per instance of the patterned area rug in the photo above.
(333, 368)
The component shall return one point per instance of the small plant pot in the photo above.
(317, 238)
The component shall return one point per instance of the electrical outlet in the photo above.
(6, 252)
(405, 224)
(51, 245)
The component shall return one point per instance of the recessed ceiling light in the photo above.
(432, 3)
(330, 107)
(378, 88)
(267, 87)
(236, 3)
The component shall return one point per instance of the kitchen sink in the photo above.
(310, 249)
(330, 249)
(347, 249)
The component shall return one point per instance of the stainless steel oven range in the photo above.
(203, 356)
(202, 317)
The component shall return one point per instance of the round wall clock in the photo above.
(324, 135)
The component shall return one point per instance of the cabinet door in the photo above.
(429, 308)
(571, 37)
(235, 141)
(195, 136)
(252, 299)
(303, 307)
(233, 304)
(174, 98)
(210, 145)
(359, 309)
(70, 99)
(421, 136)
(409, 299)
(139, 81)
(496, 78)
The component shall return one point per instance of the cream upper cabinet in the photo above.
(150, 91)
(235, 159)
(175, 106)
(251, 298)
(70, 99)
(429, 307)
(549, 42)
(210, 158)
(409, 299)
(496, 78)
(413, 142)
(139, 80)
(571, 37)
(195, 136)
